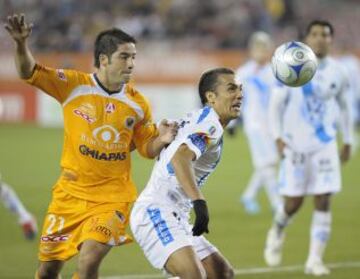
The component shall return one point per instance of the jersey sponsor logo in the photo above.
(55, 238)
(87, 112)
(107, 145)
(107, 134)
(160, 226)
(130, 122)
(110, 108)
(103, 230)
(61, 74)
(102, 156)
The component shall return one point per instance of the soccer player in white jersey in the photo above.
(258, 80)
(160, 217)
(303, 121)
(12, 202)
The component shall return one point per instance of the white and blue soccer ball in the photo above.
(294, 63)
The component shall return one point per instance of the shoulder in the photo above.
(136, 95)
(339, 70)
(137, 101)
(206, 121)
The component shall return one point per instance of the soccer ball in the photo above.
(294, 63)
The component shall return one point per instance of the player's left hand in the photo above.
(201, 218)
(345, 153)
(167, 131)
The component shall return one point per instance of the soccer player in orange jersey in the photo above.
(104, 119)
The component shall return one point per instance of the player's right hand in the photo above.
(201, 218)
(18, 29)
(280, 145)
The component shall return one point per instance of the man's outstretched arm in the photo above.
(19, 30)
(182, 164)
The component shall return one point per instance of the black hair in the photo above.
(108, 41)
(208, 81)
(323, 23)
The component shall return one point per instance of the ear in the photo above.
(103, 59)
(210, 97)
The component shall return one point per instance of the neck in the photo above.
(105, 82)
(224, 122)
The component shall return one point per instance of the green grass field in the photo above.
(29, 161)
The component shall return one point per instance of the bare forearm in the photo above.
(185, 175)
(24, 60)
(155, 146)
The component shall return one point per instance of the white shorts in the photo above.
(310, 173)
(262, 148)
(160, 230)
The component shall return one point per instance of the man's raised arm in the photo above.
(19, 30)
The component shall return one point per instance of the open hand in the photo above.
(18, 29)
(167, 131)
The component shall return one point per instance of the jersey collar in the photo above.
(103, 88)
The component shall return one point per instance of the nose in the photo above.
(239, 93)
(130, 63)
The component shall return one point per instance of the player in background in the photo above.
(160, 217)
(351, 66)
(104, 119)
(303, 123)
(12, 202)
(258, 79)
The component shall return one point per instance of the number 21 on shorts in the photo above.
(55, 221)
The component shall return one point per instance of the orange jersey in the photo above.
(98, 130)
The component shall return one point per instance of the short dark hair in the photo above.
(108, 41)
(208, 81)
(323, 23)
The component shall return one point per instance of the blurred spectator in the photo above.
(70, 25)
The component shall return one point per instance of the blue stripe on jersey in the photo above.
(307, 89)
(170, 168)
(199, 140)
(205, 112)
(322, 135)
(315, 113)
(203, 178)
(263, 89)
(160, 226)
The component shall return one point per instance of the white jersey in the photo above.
(307, 117)
(257, 82)
(202, 132)
(351, 67)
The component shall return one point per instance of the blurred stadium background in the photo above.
(177, 41)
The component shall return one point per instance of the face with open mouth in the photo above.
(227, 98)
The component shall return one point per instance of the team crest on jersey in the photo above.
(87, 112)
(61, 74)
(110, 108)
(130, 122)
(212, 130)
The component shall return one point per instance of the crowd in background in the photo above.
(71, 25)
